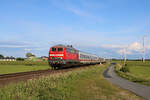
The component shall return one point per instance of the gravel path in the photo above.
(138, 89)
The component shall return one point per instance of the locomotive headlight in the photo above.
(56, 54)
(52, 54)
(59, 54)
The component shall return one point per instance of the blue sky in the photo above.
(102, 27)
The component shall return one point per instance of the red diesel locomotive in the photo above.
(66, 56)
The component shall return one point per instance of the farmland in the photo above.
(137, 71)
(7, 67)
(80, 84)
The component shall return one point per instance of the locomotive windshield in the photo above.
(53, 49)
(60, 49)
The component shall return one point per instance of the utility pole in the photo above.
(125, 57)
(143, 48)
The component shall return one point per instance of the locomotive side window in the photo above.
(53, 49)
(60, 49)
(68, 50)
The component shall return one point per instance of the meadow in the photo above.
(137, 71)
(7, 67)
(79, 84)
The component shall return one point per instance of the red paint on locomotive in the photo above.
(62, 56)
(57, 52)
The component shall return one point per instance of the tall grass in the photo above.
(137, 71)
(80, 84)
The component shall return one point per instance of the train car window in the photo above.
(81, 56)
(60, 49)
(53, 49)
(84, 56)
(71, 50)
(67, 49)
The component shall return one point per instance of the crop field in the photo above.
(7, 67)
(137, 72)
(80, 84)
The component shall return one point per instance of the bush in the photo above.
(20, 59)
(124, 69)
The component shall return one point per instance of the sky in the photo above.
(102, 27)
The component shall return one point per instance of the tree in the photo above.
(29, 55)
(20, 59)
(11, 57)
(1, 56)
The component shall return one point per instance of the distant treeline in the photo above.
(23, 63)
(130, 59)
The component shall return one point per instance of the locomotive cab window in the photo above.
(60, 49)
(53, 49)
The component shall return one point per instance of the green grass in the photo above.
(80, 84)
(7, 69)
(23, 62)
(22, 66)
(138, 72)
(141, 71)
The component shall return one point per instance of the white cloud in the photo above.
(82, 9)
(136, 46)
(113, 46)
(132, 48)
(11, 46)
(18, 44)
(147, 47)
(79, 12)
(122, 51)
(70, 6)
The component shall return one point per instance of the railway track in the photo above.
(24, 76)
(3, 76)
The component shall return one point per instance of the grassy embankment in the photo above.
(135, 71)
(22, 66)
(80, 84)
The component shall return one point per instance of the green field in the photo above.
(22, 66)
(138, 72)
(23, 62)
(80, 84)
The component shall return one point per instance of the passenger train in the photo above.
(67, 56)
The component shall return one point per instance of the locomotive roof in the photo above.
(70, 46)
(64, 46)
